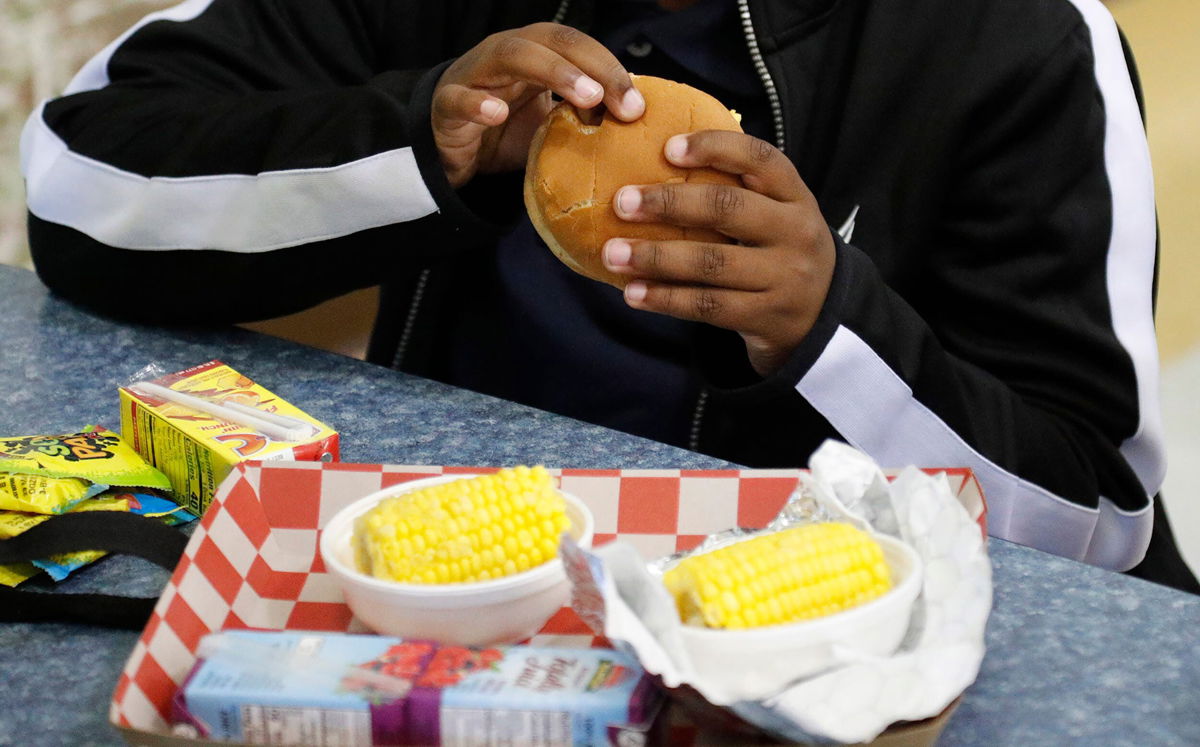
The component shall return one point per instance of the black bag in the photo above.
(113, 531)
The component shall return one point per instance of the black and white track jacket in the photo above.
(984, 160)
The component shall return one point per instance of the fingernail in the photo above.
(629, 199)
(676, 148)
(617, 253)
(632, 103)
(635, 292)
(490, 108)
(586, 88)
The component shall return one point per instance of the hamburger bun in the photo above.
(576, 166)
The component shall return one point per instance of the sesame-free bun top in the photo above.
(575, 168)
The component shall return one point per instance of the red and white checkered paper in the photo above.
(253, 562)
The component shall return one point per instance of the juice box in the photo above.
(195, 448)
(289, 687)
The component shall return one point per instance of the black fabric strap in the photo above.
(130, 613)
(112, 531)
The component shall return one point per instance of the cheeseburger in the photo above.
(578, 161)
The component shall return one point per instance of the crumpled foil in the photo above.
(620, 595)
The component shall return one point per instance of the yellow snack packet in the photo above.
(14, 573)
(94, 454)
(13, 523)
(43, 495)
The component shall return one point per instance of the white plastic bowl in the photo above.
(760, 662)
(502, 610)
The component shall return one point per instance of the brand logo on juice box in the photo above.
(546, 676)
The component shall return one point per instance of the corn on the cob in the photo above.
(795, 574)
(472, 529)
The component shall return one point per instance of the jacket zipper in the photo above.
(562, 12)
(760, 67)
(410, 320)
(697, 417)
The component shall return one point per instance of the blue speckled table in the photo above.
(1076, 655)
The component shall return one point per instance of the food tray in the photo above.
(253, 560)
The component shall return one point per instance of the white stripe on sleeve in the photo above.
(232, 212)
(875, 410)
(1131, 247)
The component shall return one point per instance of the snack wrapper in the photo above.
(60, 566)
(622, 597)
(94, 454)
(40, 494)
(12, 574)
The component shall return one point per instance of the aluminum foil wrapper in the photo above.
(620, 595)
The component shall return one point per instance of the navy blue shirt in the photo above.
(565, 343)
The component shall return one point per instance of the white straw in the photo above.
(255, 421)
(283, 421)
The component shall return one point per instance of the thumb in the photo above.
(459, 118)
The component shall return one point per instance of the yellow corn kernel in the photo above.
(795, 574)
(471, 529)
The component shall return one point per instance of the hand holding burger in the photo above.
(692, 217)
(488, 103)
